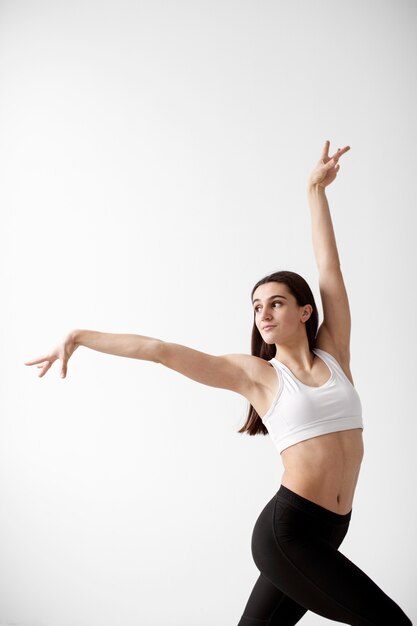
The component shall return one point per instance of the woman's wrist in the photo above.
(315, 188)
(74, 335)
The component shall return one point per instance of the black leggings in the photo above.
(295, 547)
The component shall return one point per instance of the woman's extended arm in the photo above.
(324, 242)
(336, 326)
(119, 344)
(237, 372)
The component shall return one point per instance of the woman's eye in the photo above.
(276, 302)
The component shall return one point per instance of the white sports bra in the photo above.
(299, 412)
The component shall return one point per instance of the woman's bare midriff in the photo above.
(325, 469)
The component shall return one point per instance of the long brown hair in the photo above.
(301, 291)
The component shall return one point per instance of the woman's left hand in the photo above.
(327, 168)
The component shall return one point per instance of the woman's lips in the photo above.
(268, 328)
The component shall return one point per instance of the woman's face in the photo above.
(277, 314)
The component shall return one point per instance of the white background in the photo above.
(154, 158)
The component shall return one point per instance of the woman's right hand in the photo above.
(62, 351)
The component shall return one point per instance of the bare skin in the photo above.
(323, 469)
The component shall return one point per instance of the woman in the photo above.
(299, 380)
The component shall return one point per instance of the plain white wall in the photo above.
(154, 158)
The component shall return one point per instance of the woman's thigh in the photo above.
(296, 551)
(268, 606)
(267, 603)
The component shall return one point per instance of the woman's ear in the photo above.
(308, 310)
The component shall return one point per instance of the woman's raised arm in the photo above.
(336, 326)
(324, 242)
(237, 372)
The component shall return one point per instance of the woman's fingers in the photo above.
(45, 369)
(63, 370)
(42, 359)
(43, 363)
(333, 162)
(339, 153)
(325, 152)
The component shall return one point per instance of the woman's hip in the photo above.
(291, 520)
